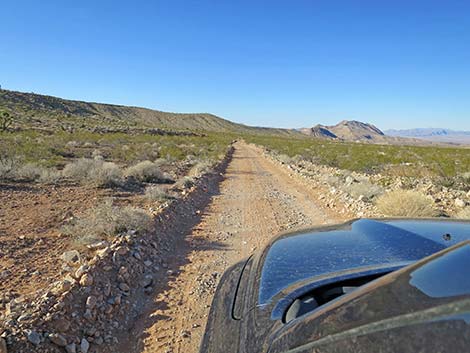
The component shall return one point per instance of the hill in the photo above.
(347, 130)
(41, 111)
(433, 134)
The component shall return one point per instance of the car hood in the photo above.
(361, 245)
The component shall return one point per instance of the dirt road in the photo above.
(256, 200)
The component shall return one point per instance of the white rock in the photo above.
(71, 257)
(460, 203)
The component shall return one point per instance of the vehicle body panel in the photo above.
(296, 263)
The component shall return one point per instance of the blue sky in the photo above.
(291, 63)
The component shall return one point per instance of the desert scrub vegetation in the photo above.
(147, 171)
(105, 221)
(55, 149)
(405, 203)
(94, 171)
(157, 193)
(371, 158)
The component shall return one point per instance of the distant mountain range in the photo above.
(433, 134)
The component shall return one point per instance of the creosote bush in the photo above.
(156, 193)
(105, 221)
(146, 171)
(94, 171)
(406, 203)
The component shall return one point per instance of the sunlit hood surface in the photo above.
(360, 244)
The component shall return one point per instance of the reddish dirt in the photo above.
(256, 200)
(30, 239)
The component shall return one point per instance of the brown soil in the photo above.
(30, 240)
(256, 200)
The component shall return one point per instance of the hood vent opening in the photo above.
(323, 295)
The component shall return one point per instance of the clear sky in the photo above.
(290, 63)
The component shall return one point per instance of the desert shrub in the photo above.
(405, 203)
(94, 171)
(146, 171)
(463, 214)
(106, 221)
(185, 182)
(9, 165)
(284, 159)
(29, 172)
(200, 168)
(49, 176)
(156, 193)
(364, 188)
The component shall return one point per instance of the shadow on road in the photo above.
(174, 228)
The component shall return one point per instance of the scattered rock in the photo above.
(147, 281)
(460, 203)
(84, 346)
(58, 339)
(91, 302)
(124, 287)
(3, 345)
(86, 280)
(33, 337)
(71, 348)
(71, 257)
(81, 271)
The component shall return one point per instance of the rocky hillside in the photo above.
(348, 130)
(35, 110)
(356, 131)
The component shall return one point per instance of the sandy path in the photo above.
(256, 200)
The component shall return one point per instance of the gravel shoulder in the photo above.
(257, 199)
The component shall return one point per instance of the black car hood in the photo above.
(423, 307)
(362, 245)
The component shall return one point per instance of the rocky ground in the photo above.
(142, 293)
(152, 292)
(353, 194)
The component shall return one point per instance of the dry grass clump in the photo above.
(146, 171)
(14, 170)
(105, 221)
(156, 193)
(94, 171)
(364, 189)
(185, 182)
(201, 168)
(406, 203)
(463, 214)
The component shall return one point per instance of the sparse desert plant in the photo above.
(185, 182)
(29, 172)
(9, 164)
(6, 119)
(156, 193)
(285, 159)
(200, 168)
(463, 214)
(49, 176)
(94, 171)
(146, 171)
(365, 189)
(406, 203)
(106, 221)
